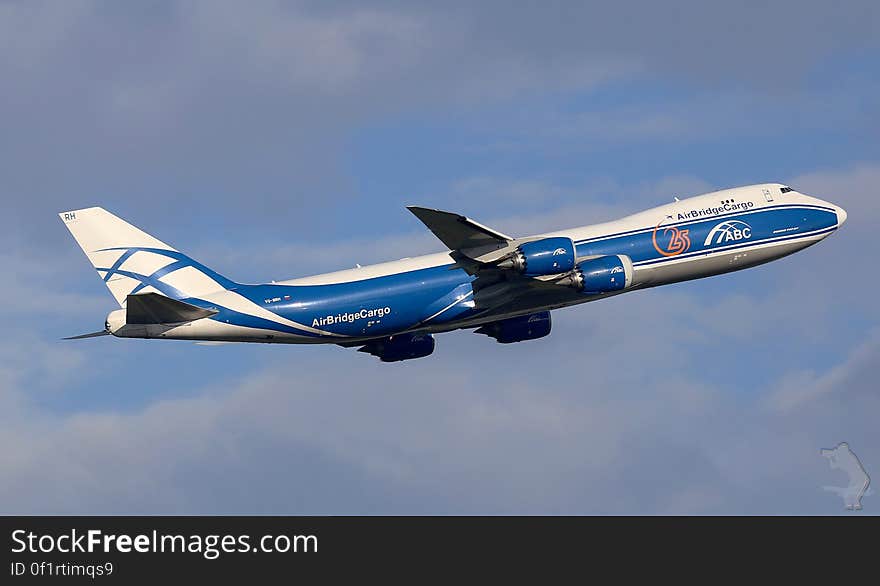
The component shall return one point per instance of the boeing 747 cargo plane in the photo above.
(503, 286)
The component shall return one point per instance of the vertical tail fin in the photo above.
(131, 261)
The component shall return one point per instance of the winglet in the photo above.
(459, 233)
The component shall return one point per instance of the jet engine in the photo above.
(518, 329)
(603, 274)
(547, 256)
(400, 347)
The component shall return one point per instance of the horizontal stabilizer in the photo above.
(92, 335)
(459, 233)
(152, 308)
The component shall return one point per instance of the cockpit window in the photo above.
(785, 189)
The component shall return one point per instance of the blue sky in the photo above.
(274, 140)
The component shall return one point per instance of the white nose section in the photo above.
(841, 215)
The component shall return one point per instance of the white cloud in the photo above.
(809, 386)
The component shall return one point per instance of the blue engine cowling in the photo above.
(603, 274)
(548, 256)
(400, 347)
(518, 329)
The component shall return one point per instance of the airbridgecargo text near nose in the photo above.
(501, 286)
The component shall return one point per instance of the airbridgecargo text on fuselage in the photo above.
(377, 312)
(714, 211)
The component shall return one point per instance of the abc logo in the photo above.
(729, 231)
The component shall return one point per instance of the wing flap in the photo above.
(152, 308)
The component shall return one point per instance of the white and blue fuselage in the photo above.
(688, 239)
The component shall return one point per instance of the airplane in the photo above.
(498, 285)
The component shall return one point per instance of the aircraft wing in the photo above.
(152, 308)
(463, 235)
(485, 253)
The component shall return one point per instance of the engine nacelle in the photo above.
(548, 256)
(518, 329)
(400, 347)
(603, 274)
